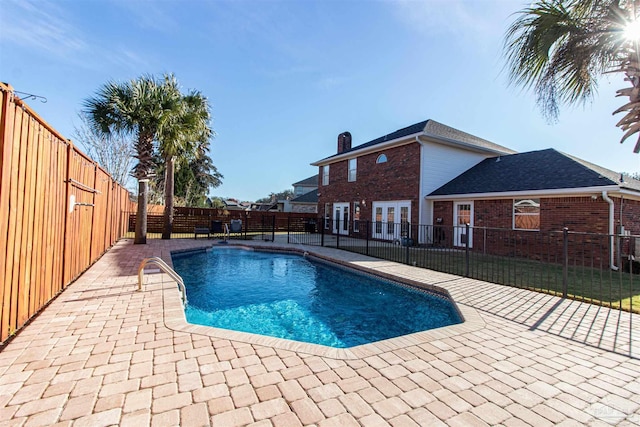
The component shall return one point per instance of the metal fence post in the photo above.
(406, 242)
(338, 233)
(322, 223)
(565, 261)
(273, 228)
(368, 234)
(288, 227)
(246, 224)
(466, 251)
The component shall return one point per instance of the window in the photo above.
(382, 158)
(391, 221)
(378, 220)
(404, 221)
(356, 217)
(353, 166)
(327, 215)
(325, 175)
(526, 214)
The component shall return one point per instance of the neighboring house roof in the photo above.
(533, 171)
(310, 197)
(263, 206)
(232, 205)
(431, 130)
(312, 181)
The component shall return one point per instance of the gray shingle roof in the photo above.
(434, 129)
(310, 197)
(308, 182)
(439, 130)
(535, 170)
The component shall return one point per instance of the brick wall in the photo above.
(493, 213)
(397, 179)
(630, 215)
(578, 214)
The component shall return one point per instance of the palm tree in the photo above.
(188, 130)
(141, 108)
(559, 48)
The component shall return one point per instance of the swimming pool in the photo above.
(303, 299)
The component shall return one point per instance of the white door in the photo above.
(341, 218)
(462, 215)
(391, 220)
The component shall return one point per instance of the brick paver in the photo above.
(104, 354)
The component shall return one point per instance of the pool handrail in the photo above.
(168, 270)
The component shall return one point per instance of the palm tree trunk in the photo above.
(169, 184)
(141, 216)
(144, 150)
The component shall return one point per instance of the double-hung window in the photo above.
(353, 167)
(325, 175)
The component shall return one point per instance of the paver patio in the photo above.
(105, 354)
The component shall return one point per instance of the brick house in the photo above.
(429, 173)
(386, 180)
(539, 191)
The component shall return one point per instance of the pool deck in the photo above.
(103, 353)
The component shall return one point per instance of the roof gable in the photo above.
(531, 171)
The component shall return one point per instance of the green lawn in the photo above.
(599, 286)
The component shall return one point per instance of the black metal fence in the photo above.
(595, 268)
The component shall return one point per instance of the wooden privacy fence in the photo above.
(59, 212)
(185, 219)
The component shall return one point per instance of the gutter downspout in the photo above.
(606, 198)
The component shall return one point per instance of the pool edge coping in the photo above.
(175, 318)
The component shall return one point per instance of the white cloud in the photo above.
(40, 25)
(49, 29)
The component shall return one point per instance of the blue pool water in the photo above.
(298, 298)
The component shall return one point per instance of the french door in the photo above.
(462, 215)
(341, 218)
(391, 220)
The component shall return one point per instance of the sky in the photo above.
(284, 78)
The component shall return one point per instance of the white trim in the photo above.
(626, 192)
(457, 228)
(530, 193)
(397, 205)
(513, 214)
(339, 222)
(421, 208)
(355, 170)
